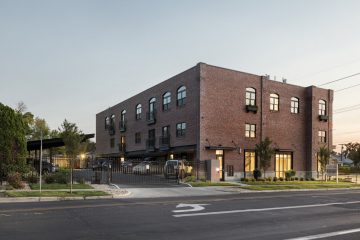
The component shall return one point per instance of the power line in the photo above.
(346, 108)
(343, 78)
(347, 88)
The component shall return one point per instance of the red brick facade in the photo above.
(215, 114)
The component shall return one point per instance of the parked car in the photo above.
(47, 167)
(177, 168)
(126, 167)
(101, 164)
(146, 167)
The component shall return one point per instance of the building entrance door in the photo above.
(220, 156)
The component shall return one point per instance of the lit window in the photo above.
(322, 136)
(181, 96)
(138, 112)
(249, 161)
(294, 108)
(250, 130)
(274, 102)
(166, 101)
(283, 163)
(250, 97)
(322, 107)
(180, 129)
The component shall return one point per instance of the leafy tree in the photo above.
(352, 151)
(39, 127)
(264, 153)
(323, 158)
(12, 141)
(72, 138)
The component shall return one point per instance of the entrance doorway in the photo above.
(220, 156)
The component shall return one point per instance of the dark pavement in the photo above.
(281, 215)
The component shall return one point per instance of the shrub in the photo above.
(62, 177)
(14, 180)
(50, 178)
(269, 179)
(296, 178)
(242, 179)
(281, 179)
(253, 179)
(203, 179)
(190, 179)
(289, 174)
(260, 180)
(312, 179)
(308, 179)
(32, 178)
(301, 179)
(257, 174)
(275, 179)
(246, 179)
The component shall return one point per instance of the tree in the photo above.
(38, 128)
(264, 153)
(72, 138)
(352, 151)
(12, 142)
(323, 158)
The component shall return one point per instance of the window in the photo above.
(152, 102)
(250, 130)
(294, 108)
(283, 163)
(322, 136)
(180, 129)
(122, 120)
(249, 161)
(274, 102)
(107, 122)
(250, 96)
(322, 107)
(138, 112)
(181, 96)
(166, 101)
(112, 142)
(165, 131)
(122, 144)
(137, 137)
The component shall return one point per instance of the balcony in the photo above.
(122, 126)
(151, 117)
(323, 118)
(164, 143)
(251, 108)
(122, 147)
(150, 144)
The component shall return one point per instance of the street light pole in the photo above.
(41, 143)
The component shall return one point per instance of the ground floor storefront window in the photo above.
(249, 163)
(283, 163)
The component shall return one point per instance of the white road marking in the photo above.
(325, 235)
(5, 215)
(193, 207)
(264, 209)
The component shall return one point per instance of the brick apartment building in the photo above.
(209, 112)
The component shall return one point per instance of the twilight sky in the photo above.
(73, 59)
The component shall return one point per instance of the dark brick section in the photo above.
(215, 114)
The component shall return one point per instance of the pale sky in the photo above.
(73, 59)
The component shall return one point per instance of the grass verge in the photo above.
(55, 194)
(55, 186)
(298, 185)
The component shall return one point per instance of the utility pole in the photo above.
(41, 143)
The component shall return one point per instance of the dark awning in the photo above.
(220, 148)
(51, 143)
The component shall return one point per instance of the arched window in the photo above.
(112, 120)
(294, 105)
(152, 102)
(181, 96)
(122, 123)
(250, 97)
(166, 101)
(274, 102)
(138, 112)
(322, 107)
(107, 122)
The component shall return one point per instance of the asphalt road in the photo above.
(285, 215)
